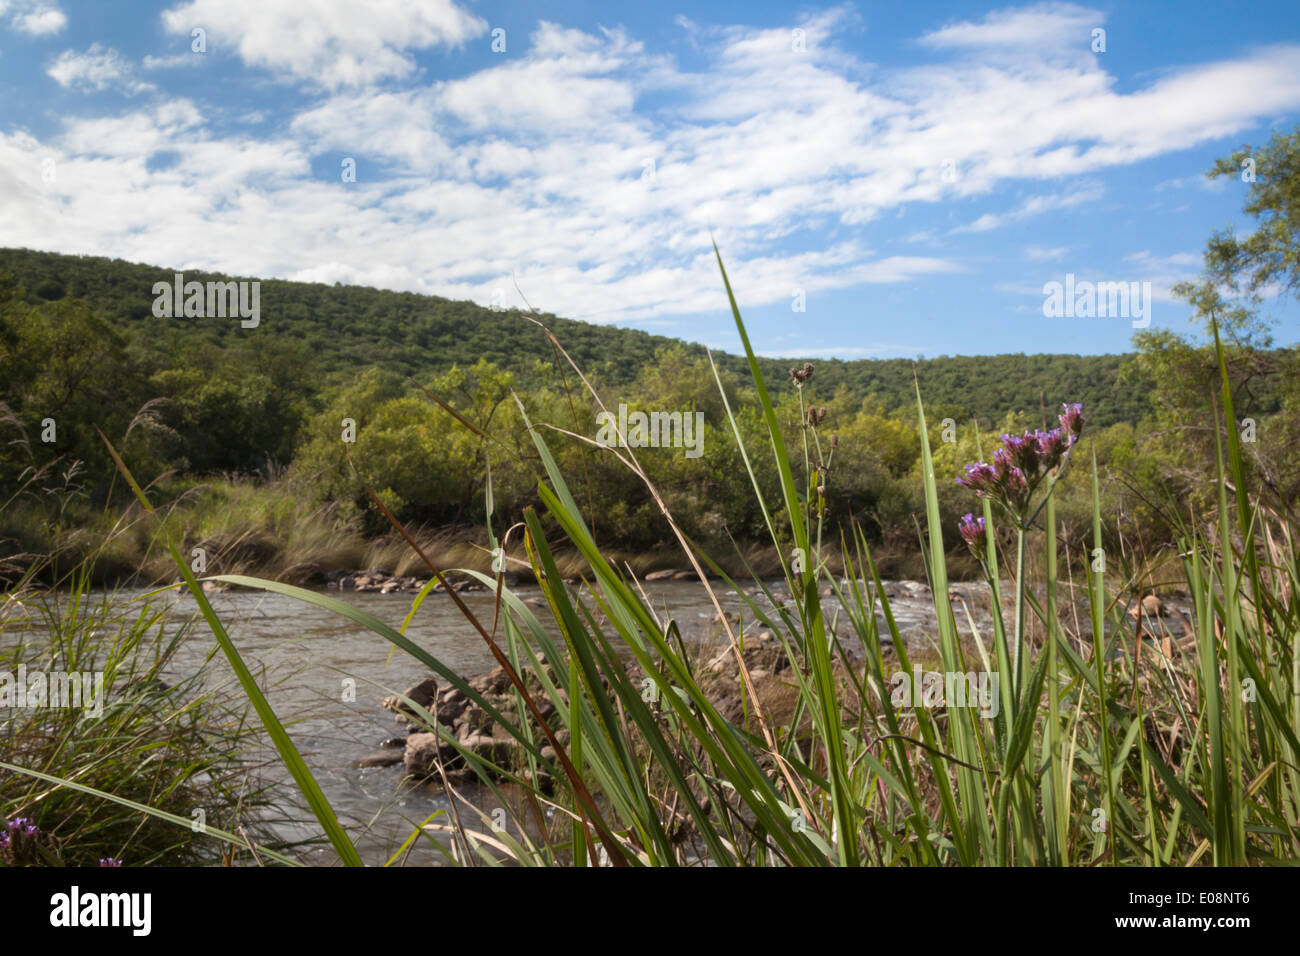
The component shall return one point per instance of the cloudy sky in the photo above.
(911, 173)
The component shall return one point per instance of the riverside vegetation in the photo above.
(239, 437)
(1112, 744)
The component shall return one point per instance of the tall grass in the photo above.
(1112, 743)
(162, 738)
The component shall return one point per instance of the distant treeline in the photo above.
(347, 328)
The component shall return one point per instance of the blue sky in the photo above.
(914, 173)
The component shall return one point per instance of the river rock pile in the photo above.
(472, 726)
(673, 574)
(382, 582)
(475, 730)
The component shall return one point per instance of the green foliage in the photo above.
(200, 411)
(1270, 254)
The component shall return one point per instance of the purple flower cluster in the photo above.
(1003, 480)
(973, 532)
(16, 839)
(17, 827)
(1072, 419)
(1021, 462)
(22, 843)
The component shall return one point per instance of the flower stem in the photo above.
(1020, 610)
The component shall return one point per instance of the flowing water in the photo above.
(303, 654)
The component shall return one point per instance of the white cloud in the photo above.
(151, 62)
(1164, 272)
(534, 167)
(1035, 206)
(1181, 260)
(34, 17)
(97, 69)
(332, 43)
(1037, 28)
(1042, 254)
(398, 125)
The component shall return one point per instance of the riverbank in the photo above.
(276, 528)
(315, 547)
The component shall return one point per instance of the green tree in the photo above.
(1271, 253)
(1183, 368)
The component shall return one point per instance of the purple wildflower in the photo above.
(109, 861)
(973, 531)
(1072, 419)
(1052, 446)
(980, 478)
(17, 840)
(1022, 461)
(16, 826)
(1002, 463)
(1017, 488)
(1022, 451)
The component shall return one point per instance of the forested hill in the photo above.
(350, 327)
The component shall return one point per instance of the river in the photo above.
(304, 654)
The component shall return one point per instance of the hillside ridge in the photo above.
(351, 327)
